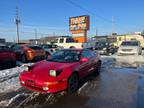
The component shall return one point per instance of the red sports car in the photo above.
(62, 71)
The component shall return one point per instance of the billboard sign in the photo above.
(79, 24)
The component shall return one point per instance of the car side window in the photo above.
(84, 54)
(94, 54)
(69, 40)
(61, 40)
(87, 53)
(90, 54)
(17, 47)
(4, 48)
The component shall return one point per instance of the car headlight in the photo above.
(136, 50)
(54, 73)
(22, 82)
(45, 88)
(104, 48)
(26, 67)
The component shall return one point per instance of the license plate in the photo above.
(30, 82)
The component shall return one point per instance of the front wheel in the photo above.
(73, 83)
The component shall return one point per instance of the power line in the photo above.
(40, 26)
(92, 13)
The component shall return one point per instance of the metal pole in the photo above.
(17, 21)
(17, 28)
(36, 42)
(113, 28)
(35, 33)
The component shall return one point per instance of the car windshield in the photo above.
(35, 47)
(65, 56)
(49, 46)
(130, 43)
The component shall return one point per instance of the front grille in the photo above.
(33, 85)
(127, 50)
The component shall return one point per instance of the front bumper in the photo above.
(102, 52)
(45, 87)
(127, 53)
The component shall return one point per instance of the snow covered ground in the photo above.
(130, 63)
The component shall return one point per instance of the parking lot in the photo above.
(71, 54)
(120, 85)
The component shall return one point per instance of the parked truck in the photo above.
(67, 42)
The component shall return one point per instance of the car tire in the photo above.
(98, 68)
(13, 63)
(23, 59)
(8, 64)
(72, 47)
(73, 83)
(140, 53)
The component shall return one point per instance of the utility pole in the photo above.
(53, 34)
(113, 27)
(96, 32)
(35, 36)
(17, 21)
(35, 33)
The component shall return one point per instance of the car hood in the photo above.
(40, 71)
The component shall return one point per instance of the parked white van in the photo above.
(130, 47)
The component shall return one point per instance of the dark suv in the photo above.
(105, 48)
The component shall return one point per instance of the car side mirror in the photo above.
(85, 59)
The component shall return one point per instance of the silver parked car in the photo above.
(130, 47)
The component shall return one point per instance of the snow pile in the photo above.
(15, 100)
(81, 88)
(141, 69)
(9, 72)
(12, 71)
(8, 85)
(9, 78)
(130, 58)
(3, 103)
(107, 60)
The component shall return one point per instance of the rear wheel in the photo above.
(73, 83)
(13, 63)
(72, 47)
